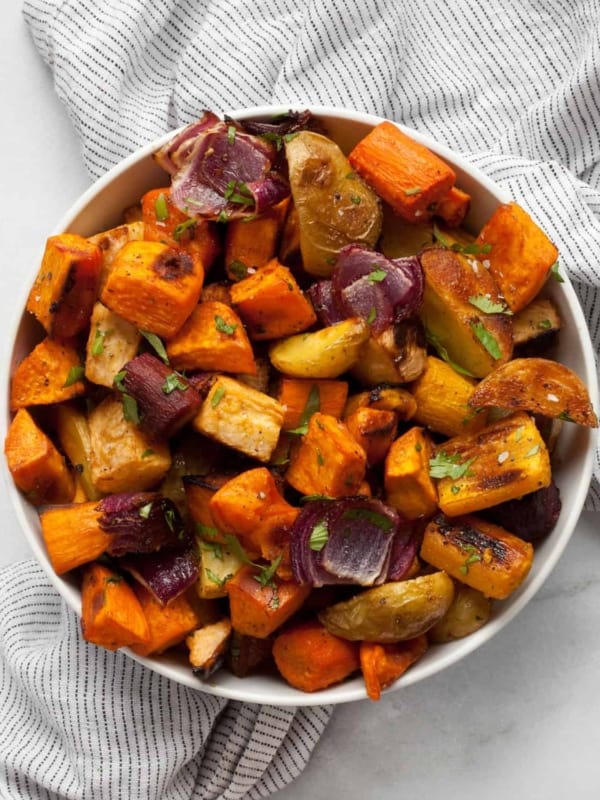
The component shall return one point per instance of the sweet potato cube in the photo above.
(257, 609)
(520, 256)
(474, 339)
(212, 338)
(300, 398)
(328, 460)
(111, 615)
(478, 553)
(207, 647)
(66, 285)
(383, 664)
(408, 487)
(112, 342)
(154, 286)
(111, 241)
(442, 397)
(198, 491)
(453, 207)
(51, 373)
(374, 429)
(386, 398)
(240, 417)
(252, 243)
(170, 624)
(503, 461)
(123, 458)
(37, 468)
(272, 304)
(406, 174)
(251, 507)
(164, 222)
(72, 535)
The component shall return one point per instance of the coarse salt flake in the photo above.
(486, 263)
(503, 456)
(552, 398)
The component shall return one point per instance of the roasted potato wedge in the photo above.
(456, 290)
(397, 355)
(537, 322)
(469, 611)
(539, 386)
(325, 353)
(392, 612)
(333, 204)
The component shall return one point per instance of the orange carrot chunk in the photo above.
(383, 664)
(51, 373)
(72, 535)
(251, 243)
(403, 172)
(111, 615)
(301, 397)
(310, 658)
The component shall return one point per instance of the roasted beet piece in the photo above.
(532, 517)
(166, 400)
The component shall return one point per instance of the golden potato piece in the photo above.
(468, 612)
(325, 353)
(539, 386)
(392, 612)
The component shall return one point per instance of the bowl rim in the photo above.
(251, 689)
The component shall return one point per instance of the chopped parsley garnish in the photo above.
(487, 339)
(74, 375)
(113, 579)
(372, 316)
(554, 271)
(309, 498)
(467, 249)
(223, 216)
(144, 511)
(320, 458)
(533, 451)
(266, 575)
(377, 275)
(213, 547)
(354, 198)
(224, 327)
(172, 382)
(130, 409)
(161, 208)
(413, 191)
(238, 269)
(206, 530)
(319, 536)
(170, 519)
(472, 558)
(98, 344)
(155, 342)
(444, 466)
(545, 324)
(433, 340)
(313, 404)
(489, 306)
(238, 192)
(147, 453)
(231, 134)
(217, 396)
(118, 380)
(215, 578)
(180, 229)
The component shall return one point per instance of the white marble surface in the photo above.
(519, 718)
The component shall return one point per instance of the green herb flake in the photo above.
(310, 498)
(74, 375)
(172, 382)
(223, 216)
(472, 558)
(433, 340)
(144, 511)
(411, 192)
(488, 306)
(170, 519)
(180, 229)
(544, 324)
(98, 344)
(319, 536)
(238, 192)
(215, 578)
(351, 176)
(213, 547)
(130, 409)
(161, 208)
(356, 199)
(519, 433)
(487, 339)
(267, 574)
(379, 520)
(473, 248)
(156, 344)
(418, 447)
(455, 489)
(313, 404)
(274, 601)
(114, 579)
(320, 458)
(217, 396)
(231, 134)
(554, 271)
(224, 327)
(147, 453)
(372, 316)
(206, 530)
(444, 466)
(118, 380)
(565, 416)
(532, 451)
(287, 137)
(238, 269)
(377, 275)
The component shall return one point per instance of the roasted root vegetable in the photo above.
(397, 355)
(311, 658)
(73, 433)
(383, 664)
(453, 207)
(324, 353)
(520, 255)
(65, 289)
(271, 303)
(393, 612)
(539, 386)
(505, 460)
(470, 610)
(535, 325)
(36, 466)
(111, 615)
(207, 647)
(443, 399)
(463, 311)
(328, 460)
(212, 338)
(240, 417)
(260, 602)
(154, 286)
(408, 485)
(301, 398)
(386, 398)
(334, 206)
(247, 653)
(51, 373)
(252, 243)
(112, 342)
(374, 429)
(406, 174)
(111, 241)
(477, 553)
(72, 535)
(218, 564)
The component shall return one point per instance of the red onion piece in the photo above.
(367, 284)
(166, 574)
(321, 295)
(406, 545)
(176, 151)
(359, 534)
(140, 522)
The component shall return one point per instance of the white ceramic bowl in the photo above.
(100, 207)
